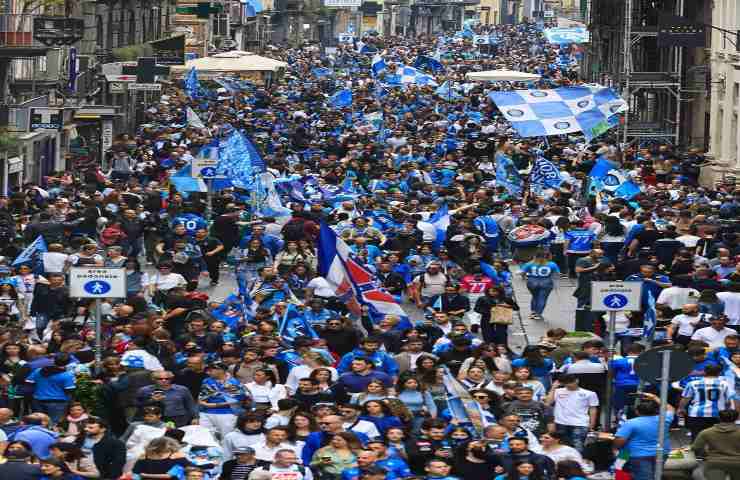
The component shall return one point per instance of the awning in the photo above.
(502, 76)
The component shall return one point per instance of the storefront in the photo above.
(40, 152)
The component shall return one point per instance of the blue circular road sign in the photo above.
(96, 287)
(615, 301)
(208, 172)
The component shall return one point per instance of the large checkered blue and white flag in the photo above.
(409, 74)
(590, 109)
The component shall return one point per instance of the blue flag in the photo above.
(545, 175)
(429, 63)
(341, 99)
(293, 325)
(322, 72)
(488, 270)
(238, 160)
(32, 254)
(650, 320)
(627, 190)
(447, 92)
(601, 168)
(192, 86)
(507, 174)
(231, 311)
(378, 65)
(440, 220)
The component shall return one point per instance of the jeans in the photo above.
(641, 468)
(576, 436)
(540, 289)
(55, 410)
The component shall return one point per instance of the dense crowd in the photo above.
(291, 377)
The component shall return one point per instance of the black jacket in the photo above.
(20, 470)
(53, 302)
(109, 455)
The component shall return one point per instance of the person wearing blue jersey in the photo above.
(540, 274)
(704, 398)
(625, 377)
(394, 464)
(652, 282)
(639, 437)
(370, 348)
(578, 243)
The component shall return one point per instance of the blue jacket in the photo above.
(395, 466)
(383, 423)
(316, 440)
(382, 361)
(38, 437)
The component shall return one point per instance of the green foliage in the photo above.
(89, 394)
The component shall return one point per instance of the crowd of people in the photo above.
(289, 378)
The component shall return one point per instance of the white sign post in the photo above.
(614, 297)
(97, 283)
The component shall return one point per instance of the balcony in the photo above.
(31, 35)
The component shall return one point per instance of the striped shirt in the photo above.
(708, 396)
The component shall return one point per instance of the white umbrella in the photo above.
(502, 76)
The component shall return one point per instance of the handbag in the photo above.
(502, 315)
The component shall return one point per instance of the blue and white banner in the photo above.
(567, 35)
(544, 175)
(539, 113)
(412, 75)
(507, 174)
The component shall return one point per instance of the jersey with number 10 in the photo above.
(708, 396)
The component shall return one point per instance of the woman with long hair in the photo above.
(249, 431)
(523, 376)
(540, 366)
(379, 413)
(300, 426)
(375, 390)
(140, 434)
(475, 377)
(540, 274)
(72, 423)
(562, 224)
(16, 304)
(330, 461)
(417, 399)
(497, 332)
(53, 469)
(249, 261)
(325, 377)
(288, 258)
(77, 462)
(265, 391)
(612, 238)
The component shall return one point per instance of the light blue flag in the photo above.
(440, 220)
(378, 65)
(651, 319)
(268, 200)
(507, 174)
(192, 85)
(185, 183)
(627, 190)
(545, 174)
(293, 325)
(341, 99)
(235, 160)
(32, 254)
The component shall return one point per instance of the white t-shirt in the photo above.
(141, 358)
(571, 406)
(676, 297)
(54, 261)
(685, 324)
(714, 338)
(732, 306)
(363, 426)
(321, 287)
(163, 282)
(688, 240)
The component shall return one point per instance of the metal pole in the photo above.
(98, 337)
(610, 372)
(627, 63)
(664, 382)
(209, 198)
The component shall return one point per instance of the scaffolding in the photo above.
(625, 55)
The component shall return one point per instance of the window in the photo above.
(131, 27)
(99, 40)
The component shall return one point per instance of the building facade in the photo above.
(724, 84)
